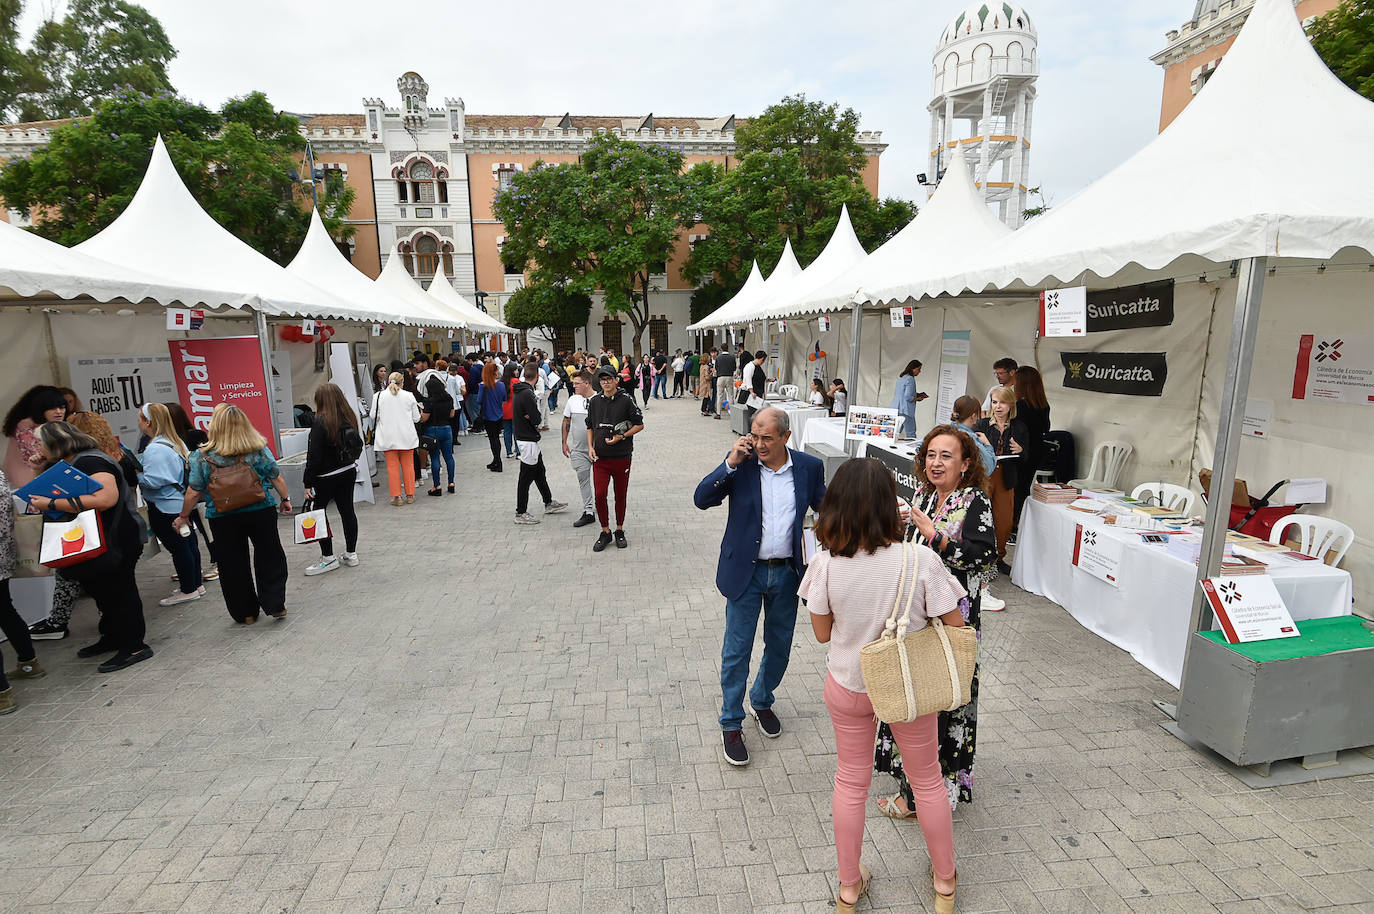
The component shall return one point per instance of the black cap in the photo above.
(605, 371)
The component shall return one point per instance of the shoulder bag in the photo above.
(234, 486)
(910, 675)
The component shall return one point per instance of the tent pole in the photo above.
(856, 326)
(260, 321)
(1244, 328)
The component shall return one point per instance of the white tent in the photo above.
(425, 310)
(1238, 174)
(31, 266)
(319, 262)
(477, 320)
(163, 231)
(755, 288)
(955, 224)
(783, 298)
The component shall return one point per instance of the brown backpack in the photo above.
(234, 486)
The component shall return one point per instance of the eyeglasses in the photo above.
(762, 439)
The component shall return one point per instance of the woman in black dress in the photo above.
(952, 515)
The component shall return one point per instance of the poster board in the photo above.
(117, 386)
(865, 423)
(955, 346)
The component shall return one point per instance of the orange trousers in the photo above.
(1003, 508)
(400, 465)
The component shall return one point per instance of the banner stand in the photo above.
(264, 348)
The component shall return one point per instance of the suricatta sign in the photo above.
(1148, 305)
(1134, 374)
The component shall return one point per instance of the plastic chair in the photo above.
(1167, 495)
(1108, 460)
(1319, 535)
(789, 391)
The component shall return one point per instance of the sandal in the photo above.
(847, 907)
(888, 807)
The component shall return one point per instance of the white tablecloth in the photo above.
(800, 415)
(1149, 613)
(824, 431)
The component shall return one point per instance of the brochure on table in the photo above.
(865, 423)
(1097, 553)
(1249, 609)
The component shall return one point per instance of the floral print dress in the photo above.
(970, 554)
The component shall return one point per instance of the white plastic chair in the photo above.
(789, 391)
(1166, 495)
(1108, 460)
(1319, 535)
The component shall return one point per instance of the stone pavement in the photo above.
(484, 717)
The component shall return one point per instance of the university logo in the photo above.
(1229, 592)
(1076, 369)
(1327, 350)
(1090, 537)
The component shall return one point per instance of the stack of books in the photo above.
(1053, 493)
(1154, 512)
(1241, 564)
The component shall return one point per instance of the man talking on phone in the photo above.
(761, 562)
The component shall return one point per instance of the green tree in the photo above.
(236, 163)
(800, 162)
(98, 48)
(14, 63)
(607, 222)
(550, 308)
(1344, 37)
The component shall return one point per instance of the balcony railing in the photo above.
(974, 72)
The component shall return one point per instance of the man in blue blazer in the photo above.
(761, 562)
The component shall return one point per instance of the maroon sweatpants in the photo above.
(604, 471)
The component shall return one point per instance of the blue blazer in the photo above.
(739, 548)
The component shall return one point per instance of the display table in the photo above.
(823, 431)
(1149, 611)
(800, 415)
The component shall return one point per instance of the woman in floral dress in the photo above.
(952, 514)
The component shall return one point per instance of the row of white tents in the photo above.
(1249, 191)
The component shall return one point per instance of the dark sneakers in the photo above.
(768, 722)
(95, 650)
(602, 542)
(584, 520)
(124, 659)
(620, 541)
(733, 748)
(47, 630)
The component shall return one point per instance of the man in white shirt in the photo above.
(1004, 370)
(575, 447)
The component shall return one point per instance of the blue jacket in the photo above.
(492, 401)
(164, 476)
(739, 548)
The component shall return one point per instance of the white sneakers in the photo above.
(350, 559)
(991, 604)
(179, 597)
(329, 563)
(555, 507)
(526, 518)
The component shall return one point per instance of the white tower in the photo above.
(985, 68)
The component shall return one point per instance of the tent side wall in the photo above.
(1306, 437)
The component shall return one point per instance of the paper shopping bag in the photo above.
(71, 542)
(28, 543)
(311, 527)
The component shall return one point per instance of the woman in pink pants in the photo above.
(850, 588)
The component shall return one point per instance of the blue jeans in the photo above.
(508, 432)
(553, 399)
(661, 386)
(908, 428)
(443, 437)
(774, 589)
(183, 550)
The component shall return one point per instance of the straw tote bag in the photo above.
(910, 675)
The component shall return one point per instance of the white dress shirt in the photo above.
(778, 494)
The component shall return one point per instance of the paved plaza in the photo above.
(491, 718)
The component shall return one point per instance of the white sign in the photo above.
(1334, 368)
(1249, 609)
(901, 317)
(185, 319)
(377, 329)
(954, 354)
(823, 323)
(341, 373)
(864, 423)
(1098, 554)
(1258, 415)
(117, 386)
(1064, 312)
(282, 406)
(309, 327)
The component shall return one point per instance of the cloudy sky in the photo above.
(1098, 93)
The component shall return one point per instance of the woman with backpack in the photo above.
(240, 477)
(163, 483)
(435, 416)
(108, 577)
(331, 470)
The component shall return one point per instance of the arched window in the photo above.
(402, 186)
(447, 255)
(426, 256)
(407, 259)
(441, 183)
(422, 182)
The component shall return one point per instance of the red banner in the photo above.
(227, 370)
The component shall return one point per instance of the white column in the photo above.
(983, 125)
(949, 129)
(933, 169)
(1016, 167)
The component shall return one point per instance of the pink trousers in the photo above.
(851, 713)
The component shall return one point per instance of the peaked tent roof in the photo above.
(164, 231)
(320, 262)
(425, 310)
(1234, 176)
(954, 225)
(752, 289)
(841, 253)
(474, 317)
(31, 265)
